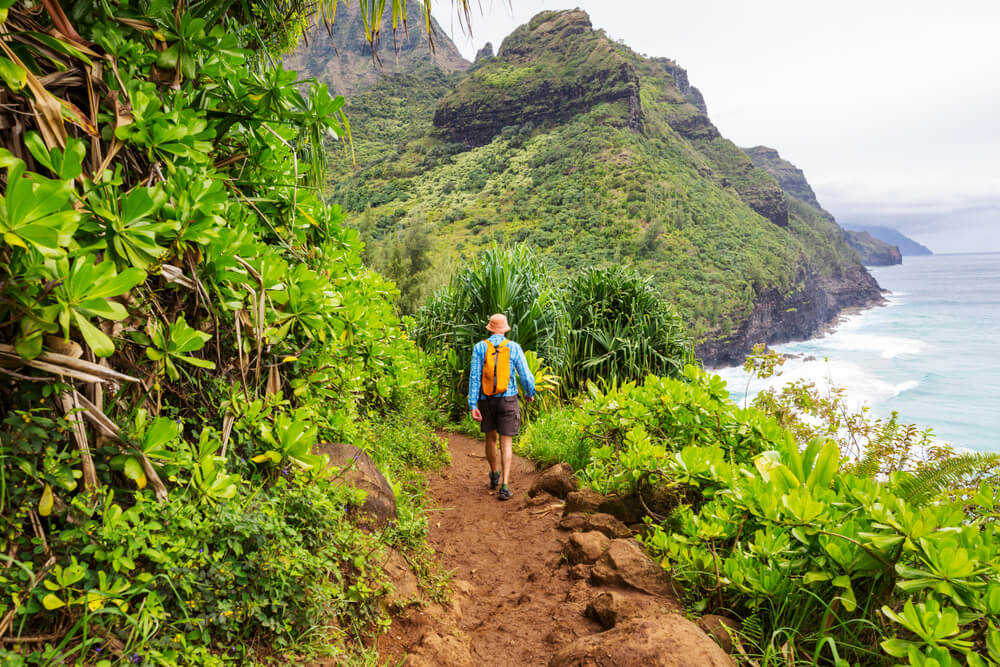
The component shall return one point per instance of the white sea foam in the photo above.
(861, 386)
(887, 347)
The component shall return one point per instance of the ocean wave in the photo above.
(861, 386)
(887, 347)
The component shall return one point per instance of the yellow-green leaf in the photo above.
(45, 504)
(52, 601)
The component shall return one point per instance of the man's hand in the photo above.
(531, 399)
(477, 415)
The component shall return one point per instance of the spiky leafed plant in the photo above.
(621, 330)
(513, 281)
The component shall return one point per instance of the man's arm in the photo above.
(524, 373)
(475, 378)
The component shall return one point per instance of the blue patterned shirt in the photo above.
(517, 363)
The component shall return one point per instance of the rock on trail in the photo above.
(528, 591)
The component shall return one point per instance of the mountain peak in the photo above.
(342, 58)
(547, 71)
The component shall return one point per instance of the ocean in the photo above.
(932, 353)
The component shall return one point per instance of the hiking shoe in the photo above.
(504, 493)
(494, 480)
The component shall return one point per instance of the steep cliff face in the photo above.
(870, 250)
(343, 60)
(576, 145)
(547, 72)
(779, 316)
(791, 179)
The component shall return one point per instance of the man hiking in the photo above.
(493, 397)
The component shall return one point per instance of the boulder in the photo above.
(667, 640)
(574, 521)
(607, 524)
(557, 480)
(584, 500)
(627, 509)
(404, 583)
(720, 628)
(586, 547)
(611, 608)
(625, 564)
(358, 470)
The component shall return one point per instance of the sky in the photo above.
(891, 107)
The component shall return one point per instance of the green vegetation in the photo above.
(620, 330)
(602, 326)
(826, 560)
(619, 170)
(183, 320)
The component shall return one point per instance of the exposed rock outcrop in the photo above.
(342, 59)
(358, 470)
(669, 640)
(782, 317)
(557, 480)
(530, 81)
(872, 251)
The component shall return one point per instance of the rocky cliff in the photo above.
(906, 245)
(341, 58)
(792, 180)
(872, 251)
(575, 144)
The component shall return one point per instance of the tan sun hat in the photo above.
(498, 324)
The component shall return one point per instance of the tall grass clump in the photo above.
(513, 281)
(621, 330)
(555, 437)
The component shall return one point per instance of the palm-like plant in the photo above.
(621, 330)
(513, 281)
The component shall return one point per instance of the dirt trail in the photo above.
(519, 605)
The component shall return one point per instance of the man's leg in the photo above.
(506, 456)
(491, 450)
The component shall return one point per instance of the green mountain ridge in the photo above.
(575, 144)
(871, 251)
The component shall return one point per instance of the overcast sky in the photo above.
(891, 107)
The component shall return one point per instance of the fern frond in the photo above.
(922, 486)
(869, 466)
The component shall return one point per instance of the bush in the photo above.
(620, 329)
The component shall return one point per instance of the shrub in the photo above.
(620, 329)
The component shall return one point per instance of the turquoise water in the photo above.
(932, 353)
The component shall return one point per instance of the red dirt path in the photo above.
(521, 605)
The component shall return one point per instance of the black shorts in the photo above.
(501, 414)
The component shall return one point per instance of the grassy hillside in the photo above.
(575, 144)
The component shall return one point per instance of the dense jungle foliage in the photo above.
(181, 320)
(889, 557)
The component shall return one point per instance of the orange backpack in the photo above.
(496, 368)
